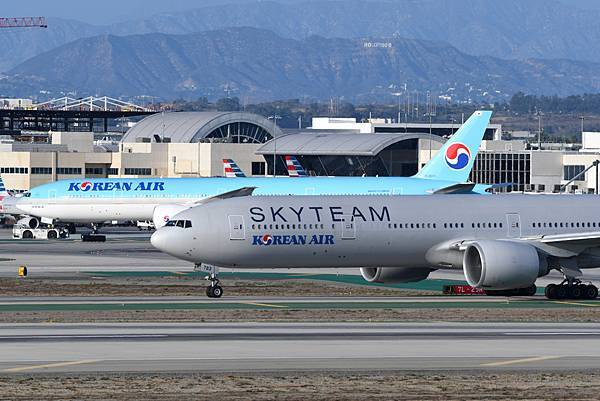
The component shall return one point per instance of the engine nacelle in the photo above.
(503, 265)
(391, 275)
(31, 222)
(163, 213)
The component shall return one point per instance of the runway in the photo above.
(247, 347)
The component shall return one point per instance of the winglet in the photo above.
(455, 159)
(232, 169)
(294, 167)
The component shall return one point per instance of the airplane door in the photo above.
(236, 228)
(348, 228)
(513, 225)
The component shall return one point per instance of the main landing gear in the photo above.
(571, 289)
(516, 292)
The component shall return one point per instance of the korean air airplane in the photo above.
(98, 200)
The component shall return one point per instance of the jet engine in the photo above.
(30, 222)
(502, 265)
(390, 275)
(163, 213)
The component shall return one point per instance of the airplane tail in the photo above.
(294, 167)
(232, 169)
(455, 159)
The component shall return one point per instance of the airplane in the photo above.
(232, 169)
(294, 167)
(502, 243)
(158, 199)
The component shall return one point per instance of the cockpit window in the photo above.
(27, 194)
(179, 223)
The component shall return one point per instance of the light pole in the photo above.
(274, 117)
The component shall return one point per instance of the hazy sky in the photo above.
(99, 12)
(108, 11)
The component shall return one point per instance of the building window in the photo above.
(113, 171)
(138, 171)
(570, 172)
(41, 170)
(68, 170)
(258, 168)
(14, 170)
(94, 171)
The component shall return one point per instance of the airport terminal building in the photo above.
(193, 144)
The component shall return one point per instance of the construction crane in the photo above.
(23, 22)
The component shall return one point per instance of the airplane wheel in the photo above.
(217, 291)
(591, 292)
(561, 292)
(27, 234)
(530, 291)
(576, 292)
(550, 291)
(209, 291)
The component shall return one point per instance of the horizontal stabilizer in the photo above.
(236, 193)
(465, 188)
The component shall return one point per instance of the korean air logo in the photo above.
(266, 239)
(166, 218)
(86, 186)
(458, 156)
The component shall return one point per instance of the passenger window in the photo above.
(445, 225)
(462, 225)
(472, 225)
(395, 225)
(434, 225)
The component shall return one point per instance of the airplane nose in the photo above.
(159, 239)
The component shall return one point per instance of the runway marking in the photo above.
(261, 304)
(522, 360)
(50, 365)
(575, 303)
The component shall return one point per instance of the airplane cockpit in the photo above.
(179, 223)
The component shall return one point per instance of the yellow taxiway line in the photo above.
(50, 365)
(522, 360)
(260, 304)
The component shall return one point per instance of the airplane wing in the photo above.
(565, 245)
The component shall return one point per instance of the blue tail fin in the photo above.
(455, 159)
(232, 169)
(294, 167)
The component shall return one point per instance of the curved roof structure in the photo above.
(336, 144)
(189, 127)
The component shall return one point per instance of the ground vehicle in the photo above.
(145, 225)
(21, 231)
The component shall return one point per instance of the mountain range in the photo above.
(257, 64)
(512, 29)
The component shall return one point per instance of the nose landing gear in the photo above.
(214, 289)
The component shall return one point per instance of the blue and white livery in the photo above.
(98, 200)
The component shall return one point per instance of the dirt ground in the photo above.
(311, 315)
(522, 385)
(187, 286)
